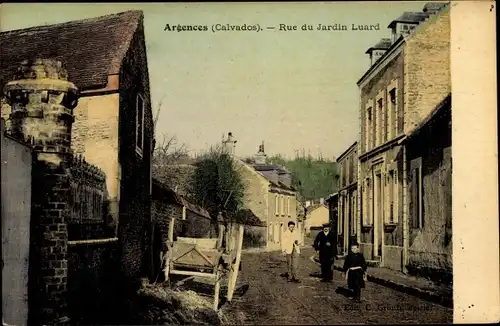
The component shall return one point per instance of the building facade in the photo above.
(428, 170)
(270, 196)
(113, 127)
(401, 87)
(317, 215)
(347, 226)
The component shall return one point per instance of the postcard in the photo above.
(252, 163)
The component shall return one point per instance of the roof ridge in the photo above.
(78, 21)
(117, 62)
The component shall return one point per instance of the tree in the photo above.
(217, 185)
(313, 178)
(169, 151)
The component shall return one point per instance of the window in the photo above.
(289, 206)
(417, 214)
(347, 171)
(139, 124)
(368, 129)
(276, 205)
(342, 175)
(379, 125)
(395, 191)
(367, 203)
(418, 202)
(392, 113)
(392, 197)
(340, 216)
(282, 206)
(362, 208)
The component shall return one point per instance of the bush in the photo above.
(253, 238)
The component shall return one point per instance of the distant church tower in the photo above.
(260, 157)
(229, 144)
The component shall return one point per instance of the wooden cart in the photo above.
(206, 257)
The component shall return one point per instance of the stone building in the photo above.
(397, 92)
(428, 206)
(113, 128)
(347, 226)
(317, 215)
(270, 196)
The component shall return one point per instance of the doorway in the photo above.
(378, 215)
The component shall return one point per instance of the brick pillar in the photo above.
(42, 102)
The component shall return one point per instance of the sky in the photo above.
(294, 90)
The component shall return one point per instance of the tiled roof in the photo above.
(247, 217)
(90, 49)
(409, 17)
(269, 167)
(434, 6)
(314, 207)
(272, 167)
(331, 197)
(383, 44)
(163, 192)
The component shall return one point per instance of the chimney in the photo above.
(433, 7)
(229, 144)
(322, 201)
(308, 203)
(260, 157)
(42, 101)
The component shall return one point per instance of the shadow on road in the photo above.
(207, 290)
(343, 291)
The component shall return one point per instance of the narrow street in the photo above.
(271, 300)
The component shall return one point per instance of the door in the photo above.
(378, 215)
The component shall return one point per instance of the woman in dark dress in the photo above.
(355, 269)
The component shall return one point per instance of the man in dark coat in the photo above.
(325, 244)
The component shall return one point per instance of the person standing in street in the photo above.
(325, 244)
(355, 271)
(290, 247)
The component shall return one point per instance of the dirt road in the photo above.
(271, 300)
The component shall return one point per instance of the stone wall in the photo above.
(427, 68)
(257, 191)
(16, 191)
(391, 74)
(135, 224)
(92, 271)
(393, 258)
(431, 245)
(95, 137)
(41, 101)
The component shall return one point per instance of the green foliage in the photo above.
(216, 184)
(312, 177)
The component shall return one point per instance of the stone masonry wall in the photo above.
(41, 101)
(256, 196)
(95, 136)
(427, 69)
(135, 224)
